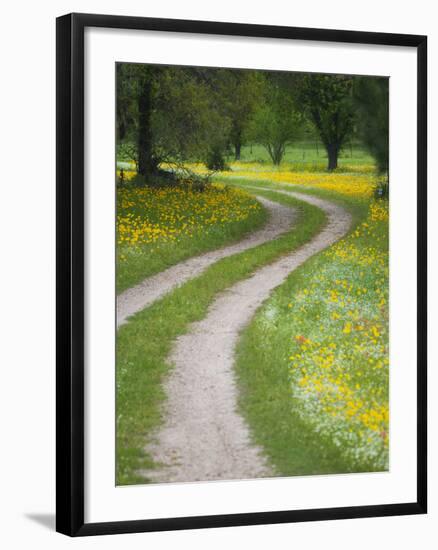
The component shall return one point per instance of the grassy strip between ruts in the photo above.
(159, 227)
(144, 343)
(312, 388)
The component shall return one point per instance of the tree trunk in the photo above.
(332, 152)
(237, 149)
(147, 165)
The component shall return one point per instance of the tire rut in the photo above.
(204, 436)
(136, 298)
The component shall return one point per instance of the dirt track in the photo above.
(204, 437)
(151, 289)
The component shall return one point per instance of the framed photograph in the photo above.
(241, 274)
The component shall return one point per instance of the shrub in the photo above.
(381, 190)
(215, 161)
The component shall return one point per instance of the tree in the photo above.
(185, 122)
(174, 114)
(241, 95)
(235, 94)
(371, 96)
(126, 108)
(327, 99)
(135, 84)
(147, 160)
(276, 123)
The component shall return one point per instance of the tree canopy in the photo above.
(276, 122)
(175, 115)
(328, 101)
(169, 113)
(372, 104)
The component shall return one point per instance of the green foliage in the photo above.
(242, 94)
(196, 114)
(276, 122)
(127, 153)
(160, 179)
(381, 191)
(126, 105)
(186, 122)
(169, 113)
(216, 161)
(372, 104)
(327, 99)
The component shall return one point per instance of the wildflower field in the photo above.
(269, 357)
(318, 349)
(313, 366)
(142, 363)
(355, 181)
(157, 227)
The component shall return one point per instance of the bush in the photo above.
(161, 178)
(381, 190)
(138, 181)
(215, 161)
(196, 181)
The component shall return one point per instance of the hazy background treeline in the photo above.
(176, 115)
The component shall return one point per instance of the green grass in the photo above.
(357, 206)
(299, 429)
(301, 156)
(194, 210)
(144, 343)
(306, 156)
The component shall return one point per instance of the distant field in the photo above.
(305, 153)
(303, 156)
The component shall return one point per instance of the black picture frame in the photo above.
(70, 273)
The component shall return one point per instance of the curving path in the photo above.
(151, 289)
(204, 437)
